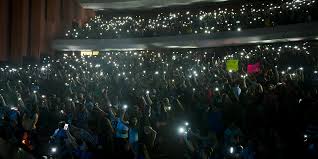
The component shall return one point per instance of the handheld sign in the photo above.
(232, 65)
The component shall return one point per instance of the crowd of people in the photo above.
(249, 15)
(167, 103)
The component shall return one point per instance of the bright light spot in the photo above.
(181, 130)
(53, 149)
(231, 150)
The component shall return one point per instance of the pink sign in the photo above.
(253, 68)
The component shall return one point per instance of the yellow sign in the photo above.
(95, 53)
(86, 53)
(89, 53)
(232, 65)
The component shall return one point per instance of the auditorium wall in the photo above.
(27, 27)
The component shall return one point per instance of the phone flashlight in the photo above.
(53, 149)
(14, 108)
(66, 127)
(231, 150)
(181, 130)
(125, 106)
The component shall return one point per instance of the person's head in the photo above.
(81, 96)
(134, 121)
(61, 124)
(232, 125)
(80, 106)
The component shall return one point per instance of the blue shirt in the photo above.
(133, 135)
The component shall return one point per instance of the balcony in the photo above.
(284, 33)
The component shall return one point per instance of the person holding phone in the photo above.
(60, 132)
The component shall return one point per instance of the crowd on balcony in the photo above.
(235, 102)
(247, 16)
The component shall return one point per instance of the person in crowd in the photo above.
(97, 96)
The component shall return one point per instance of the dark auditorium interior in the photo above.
(158, 79)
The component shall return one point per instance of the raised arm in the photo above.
(276, 74)
(179, 105)
(71, 139)
(8, 86)
(105, 94)
(149, 101)
(188, 144)
(2, 101)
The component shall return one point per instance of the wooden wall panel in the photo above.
(4, 32)
(29, 26)
(19, 30)
(37, 28)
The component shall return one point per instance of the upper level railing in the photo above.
(195, 21)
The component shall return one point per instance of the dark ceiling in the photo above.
(140, 4)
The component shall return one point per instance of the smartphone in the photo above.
(65, 126)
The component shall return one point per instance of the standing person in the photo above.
(122, 147)
(82, 116)
(4, 131)
(121, 133)
(133, 135)
(29, 122)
